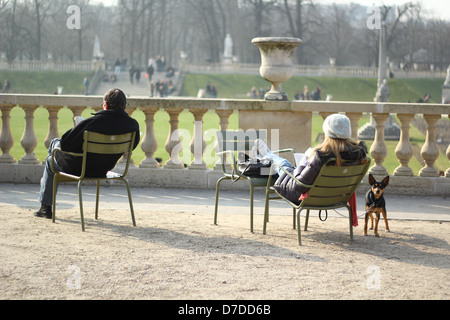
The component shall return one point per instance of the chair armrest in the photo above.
(284, 150)
(233, 164)
(289, 174)
(66, 152)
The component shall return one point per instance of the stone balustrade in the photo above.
(309, 70)
(37, 65)
(291, 118)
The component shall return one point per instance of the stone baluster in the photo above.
(6, 138)
(354, 118)
(76, 110)
(29, 139)
(324, 115)
(53, 124)
(173, 143)
(224, 116)
(404, 151)
(149, 144)
(447, 172)
(447, 153)
(100, 108)
(130, 110)
(430, 151)
(379, 151)
(123, 160)
(198, 143)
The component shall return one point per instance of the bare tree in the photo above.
(9, 30)
(41, 8)
(140, 29)
(304, 22)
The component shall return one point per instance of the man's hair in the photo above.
(115, 99)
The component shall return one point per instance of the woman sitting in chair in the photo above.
(337, 144)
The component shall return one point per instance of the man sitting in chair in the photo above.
(111, 120)
(337, 144)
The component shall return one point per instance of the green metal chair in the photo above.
(229, 144)
(332, 189)
(99, 144)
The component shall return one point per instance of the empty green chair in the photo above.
(230, 143)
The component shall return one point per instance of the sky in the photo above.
(433, 8)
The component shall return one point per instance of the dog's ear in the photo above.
(371, 179)
(385, 181)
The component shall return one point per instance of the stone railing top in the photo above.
(231, 104)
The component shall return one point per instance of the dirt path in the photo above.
(182, 255)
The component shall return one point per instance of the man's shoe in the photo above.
(44, 212)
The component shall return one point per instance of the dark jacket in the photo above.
(105, 122)
(307, 173)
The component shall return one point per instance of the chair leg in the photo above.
(130, 200)
(55, 185)
(307, 219)
(299, 230)
(266, 211)
(351, 222)
(81, 205)
(217, 199)
(96, 199)
(251, 207)
(293, 218)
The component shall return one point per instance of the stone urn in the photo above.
(276, 63)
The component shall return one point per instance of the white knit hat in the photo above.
(337, 126)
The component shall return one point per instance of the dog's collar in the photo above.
(372, 199)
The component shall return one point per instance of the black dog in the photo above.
(375, 203)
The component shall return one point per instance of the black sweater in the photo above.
(105, 122)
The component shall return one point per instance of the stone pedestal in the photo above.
(446, 93)
(392, 131)
(284, 129)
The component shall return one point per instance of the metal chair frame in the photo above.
(332, 189)
(100, 144)
(229, 144)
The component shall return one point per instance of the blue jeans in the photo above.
(46, 192)
(279, 161)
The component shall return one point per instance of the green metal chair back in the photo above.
(239, 140)
(332, 189)
(229, 144)
(334, 185)
(97, 143)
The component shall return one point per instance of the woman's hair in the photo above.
(336, 146)
(116, 99)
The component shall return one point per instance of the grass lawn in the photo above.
(229, 86)
(45, 82)
(342, 89)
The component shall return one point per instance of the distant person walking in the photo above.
(117, 66)
(86, 85)
(150, 71)
(138, 74)
(7, 86)
(132, 71)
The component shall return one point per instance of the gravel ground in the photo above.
(182, 255)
